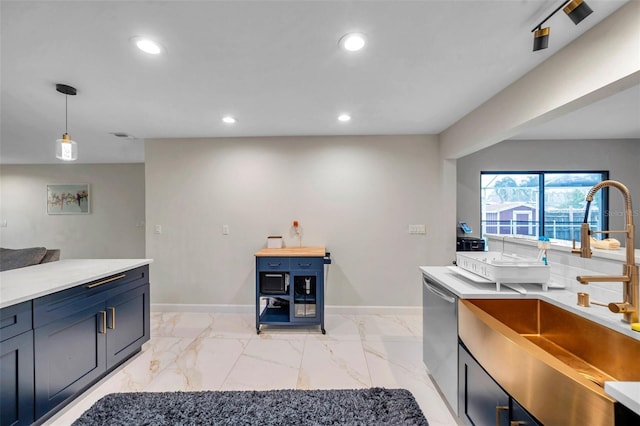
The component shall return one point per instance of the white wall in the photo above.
(620, 157)
(354, 195)
(111, 230)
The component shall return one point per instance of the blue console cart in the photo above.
(290, 286)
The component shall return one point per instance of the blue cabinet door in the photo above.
(305, 287)
(127, 324)
(520, 416)
(70, 354)
(16, 380)
(481, 400)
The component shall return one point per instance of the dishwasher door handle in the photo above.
(439, 293)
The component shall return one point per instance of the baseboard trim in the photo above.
(336, 310)
(373, 310)
(187, 307)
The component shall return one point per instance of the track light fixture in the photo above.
(576, 10)
(66, 149)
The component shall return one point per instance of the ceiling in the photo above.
(275, 65)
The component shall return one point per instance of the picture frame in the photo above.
(73, 198)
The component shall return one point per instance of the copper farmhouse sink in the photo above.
(553, 362)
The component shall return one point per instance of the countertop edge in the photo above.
(23, 284)
(627, 393)
(562, 298)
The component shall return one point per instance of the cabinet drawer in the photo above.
(303, 263)
(58, 305)
(273, 263)
(15, 320)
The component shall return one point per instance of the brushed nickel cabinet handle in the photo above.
(113, 318)
(103, 330)
(517, 423)
(500, 409)
(108, 280)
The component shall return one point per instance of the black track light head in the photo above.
(577, 10)
(541, 39)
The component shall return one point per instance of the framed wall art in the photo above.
(72, 198)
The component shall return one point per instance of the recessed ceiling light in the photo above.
(344, 117)
(229, 119)
(147, 45)
(352, 41)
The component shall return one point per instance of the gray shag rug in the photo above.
(374, 406)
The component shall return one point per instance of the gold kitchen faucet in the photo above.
(629, 306)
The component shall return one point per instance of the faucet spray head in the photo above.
(585, 240)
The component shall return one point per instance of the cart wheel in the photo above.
(324, 331)
(257, 330)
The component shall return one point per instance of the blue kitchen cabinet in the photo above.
(82, 333)
(128, 325)
(290, 287)
(482, 401)
(520, 416)
(70, 356)
(16, 365)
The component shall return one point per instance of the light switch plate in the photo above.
(417, 229)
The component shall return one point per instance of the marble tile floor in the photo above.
(221, 351)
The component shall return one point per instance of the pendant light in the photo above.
(66, 149)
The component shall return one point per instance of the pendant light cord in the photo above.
(66, 114)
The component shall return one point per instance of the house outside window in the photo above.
(541, 203)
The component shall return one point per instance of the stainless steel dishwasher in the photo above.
(440, 337)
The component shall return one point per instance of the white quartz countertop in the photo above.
(627, 393)
(19, 285)
(467, 289)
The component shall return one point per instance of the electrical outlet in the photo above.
(225, 229)
(157, 229)
(417, 229)
(3, 224)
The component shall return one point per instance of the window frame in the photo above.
(604, 218)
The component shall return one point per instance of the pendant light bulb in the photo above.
(66, 148)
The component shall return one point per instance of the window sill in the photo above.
(495, 241)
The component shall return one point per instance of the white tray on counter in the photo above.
(504, 268)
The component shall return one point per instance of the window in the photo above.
(541, 203)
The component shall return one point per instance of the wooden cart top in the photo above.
(291, 252)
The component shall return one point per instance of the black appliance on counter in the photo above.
(469, 244)
(464, 242)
